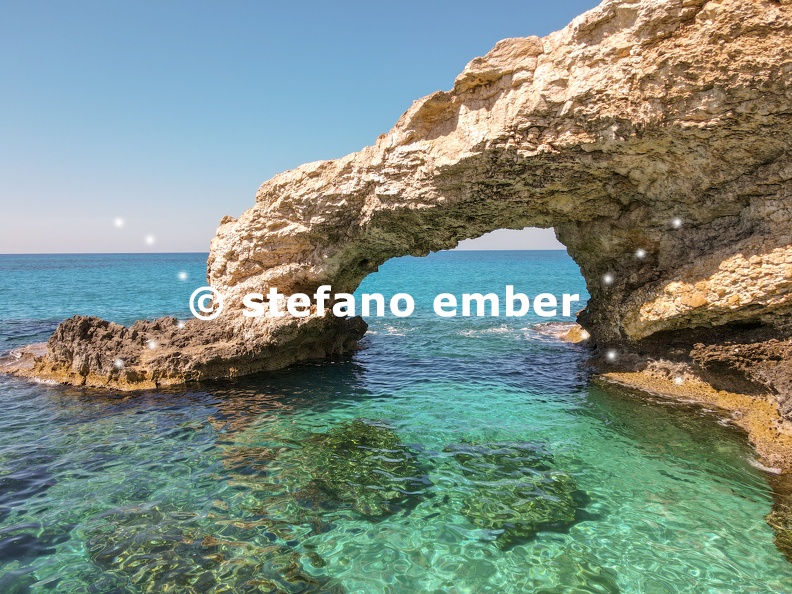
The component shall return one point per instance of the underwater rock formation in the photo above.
(148, 550)
(652, 135)
(361, 465)
(516, 491)
(780, 517)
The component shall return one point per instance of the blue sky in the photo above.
(169, 115)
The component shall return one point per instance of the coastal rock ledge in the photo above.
(653, 136)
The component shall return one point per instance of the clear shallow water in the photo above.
(230, 486)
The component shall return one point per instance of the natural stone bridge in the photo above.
(661, 126)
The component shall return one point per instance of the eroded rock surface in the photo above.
(659, 126)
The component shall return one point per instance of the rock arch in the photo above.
(635, 115)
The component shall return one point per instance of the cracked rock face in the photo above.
(659, 126)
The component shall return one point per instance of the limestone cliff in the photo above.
(654, 136)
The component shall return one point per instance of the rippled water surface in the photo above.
(447, 455)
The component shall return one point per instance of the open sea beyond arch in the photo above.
(456, 455)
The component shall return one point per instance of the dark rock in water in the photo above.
(362, 465)
(780, 517)
(26, 541)
(780, 520)
(154, 551)
(516, 491)
(18, 581)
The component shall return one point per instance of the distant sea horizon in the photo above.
(207, 252)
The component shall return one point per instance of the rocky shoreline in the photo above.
(768, 431)
(744, 378)
(673, 373)
(684, 375)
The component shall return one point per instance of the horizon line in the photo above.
(182, 253)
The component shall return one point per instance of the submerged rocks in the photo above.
(780, 520)
(362, 465)
(511, 490)
(151, 550)
(516, 492)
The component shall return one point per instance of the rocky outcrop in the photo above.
(652, 135)
(90, 351)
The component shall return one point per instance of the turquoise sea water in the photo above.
(447, 455)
